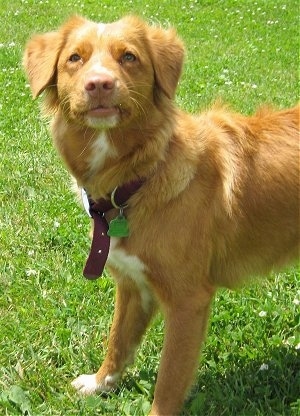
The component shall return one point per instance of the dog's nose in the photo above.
(98, 84)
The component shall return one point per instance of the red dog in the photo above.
(192, 202)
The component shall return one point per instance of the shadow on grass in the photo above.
(266, 388)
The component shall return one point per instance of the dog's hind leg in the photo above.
(130, 321)
(186, 321)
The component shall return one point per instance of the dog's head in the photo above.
(103, 75)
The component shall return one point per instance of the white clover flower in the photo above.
(262, 314)
(31, 272)
(264, 367)
(290, 341)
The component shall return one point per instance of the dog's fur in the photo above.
(220, 202)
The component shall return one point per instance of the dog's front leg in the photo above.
(185, 331)
(130, 321)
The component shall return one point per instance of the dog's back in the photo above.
(258, 161)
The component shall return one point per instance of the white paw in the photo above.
(87, 383)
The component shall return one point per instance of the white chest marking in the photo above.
(101, 149)
(132, 267)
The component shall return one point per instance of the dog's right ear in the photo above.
(42, 53)
(40, 59)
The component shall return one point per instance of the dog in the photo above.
(184, 203)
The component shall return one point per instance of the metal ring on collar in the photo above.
(112, 199)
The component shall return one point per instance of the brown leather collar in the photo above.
(101, 241)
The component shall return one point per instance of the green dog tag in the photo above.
(118, 227)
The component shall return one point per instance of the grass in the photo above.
(54, 324)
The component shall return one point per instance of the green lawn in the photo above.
(53, 323)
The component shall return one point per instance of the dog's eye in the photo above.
(128, 57)
(75, 57)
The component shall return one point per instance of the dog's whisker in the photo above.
(139, 107)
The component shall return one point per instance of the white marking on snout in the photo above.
(101, 149)
(132, 267)
(99, 68)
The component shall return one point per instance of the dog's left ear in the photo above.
(167, 52)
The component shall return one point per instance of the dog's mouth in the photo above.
(103, 112)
